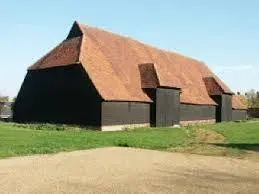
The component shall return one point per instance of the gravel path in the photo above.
(126, 170)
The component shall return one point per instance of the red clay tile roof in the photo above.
(238, 102)
(123, 56)
(112, 62)
(105, 78)
(66, 53)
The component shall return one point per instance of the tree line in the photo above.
(3, 100)
(252, 98)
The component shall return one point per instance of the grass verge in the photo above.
(238, 139)
(19, 140)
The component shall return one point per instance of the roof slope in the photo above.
(238, 102)
(65, 53)
(112, 62)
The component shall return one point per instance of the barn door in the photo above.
(167, 106)
(164, 107)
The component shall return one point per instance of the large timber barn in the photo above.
(100, 79)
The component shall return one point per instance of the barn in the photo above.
(99, 79)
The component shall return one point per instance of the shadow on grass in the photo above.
(243, 146)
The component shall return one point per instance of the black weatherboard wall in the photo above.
(224, 108)
(165, 109)
(253, 112)
(190, 112)
(62, 94)
(239, 115)
(125, 113)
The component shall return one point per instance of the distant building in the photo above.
(101, 79)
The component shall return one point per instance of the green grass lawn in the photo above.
(238, 132)
(16, 139)
(26, 139)
(242, 135)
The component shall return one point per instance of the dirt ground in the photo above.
(126, 170)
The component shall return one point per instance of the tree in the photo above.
(14, 99)
(3, 99)
(253, 98)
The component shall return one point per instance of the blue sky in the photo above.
(224, 34)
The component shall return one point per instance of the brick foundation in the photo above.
(123, 127)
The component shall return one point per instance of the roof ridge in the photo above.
(140, 42)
